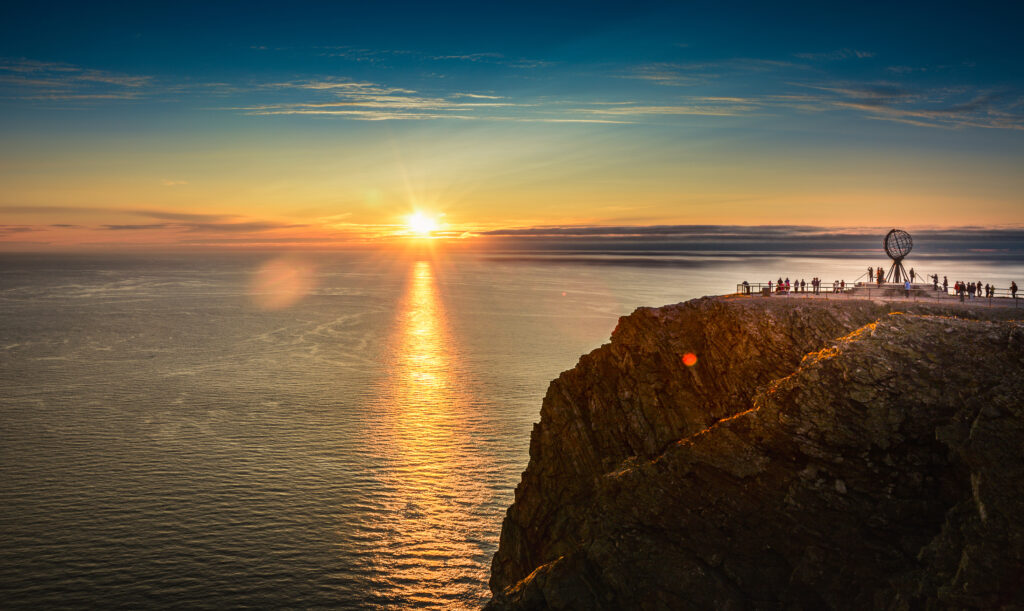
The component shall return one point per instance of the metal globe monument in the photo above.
(898, 245)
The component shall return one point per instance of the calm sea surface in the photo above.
(338, 430)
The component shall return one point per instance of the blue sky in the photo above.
(597, 113)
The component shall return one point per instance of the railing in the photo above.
(998, 293)
(755, 288)
(885, 289)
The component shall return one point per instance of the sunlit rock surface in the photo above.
(817, 455)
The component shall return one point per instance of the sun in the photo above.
(422, 224)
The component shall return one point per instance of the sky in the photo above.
(269, 124)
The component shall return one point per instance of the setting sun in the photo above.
(422, 224)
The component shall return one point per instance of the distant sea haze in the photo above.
(307, 430)
(982, 244)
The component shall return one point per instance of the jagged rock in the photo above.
(817, 455)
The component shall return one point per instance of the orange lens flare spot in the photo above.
(689, 359)
(563, 293)
(281, 283)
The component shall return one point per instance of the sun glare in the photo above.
(421, 224)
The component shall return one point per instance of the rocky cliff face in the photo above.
(816, 455)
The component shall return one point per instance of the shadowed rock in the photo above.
(816, 456)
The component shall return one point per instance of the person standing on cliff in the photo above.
(945, 285)
(1013, 289)
(913, 274)
(871, 273)
(906, 287)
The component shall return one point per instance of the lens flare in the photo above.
(689, 359)
(281, 283)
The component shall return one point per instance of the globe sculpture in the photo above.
(898, 245)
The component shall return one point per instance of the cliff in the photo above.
(817, 455)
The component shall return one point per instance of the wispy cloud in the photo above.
(389, 56)
(901, 70)
(938, 107)
(180, 221)
(697, 106)
(185, 216)
(370, 101)
(479, 96)
(36, 80)
(15, 229)
(836, 55)
(472, 57)
(134, 227)
(731, 87)
(674, 75)
(495, 58)
(678, 74)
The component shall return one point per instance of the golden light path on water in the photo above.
(431, 550)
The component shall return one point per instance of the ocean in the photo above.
(340, 430)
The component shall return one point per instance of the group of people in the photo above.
(878, 274)
(800, 286)
(970, 290)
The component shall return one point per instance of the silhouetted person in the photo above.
(871, 273)
(913, 274)
(1013, 289)
(945, 285)
(803, 286)
(935, 281)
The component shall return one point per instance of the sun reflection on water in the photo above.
(431, 547)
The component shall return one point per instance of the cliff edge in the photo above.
(817, 455)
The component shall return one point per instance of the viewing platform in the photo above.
(887, 291)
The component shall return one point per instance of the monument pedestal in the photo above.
(889, 289)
